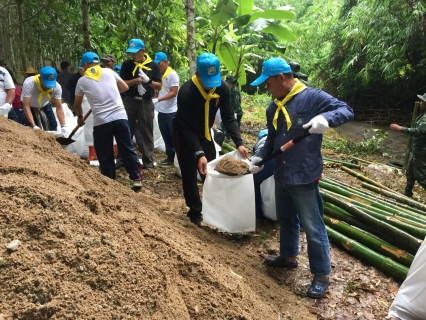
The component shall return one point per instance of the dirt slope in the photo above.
(93, 249)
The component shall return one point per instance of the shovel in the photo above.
(274, 154)
(66, 141)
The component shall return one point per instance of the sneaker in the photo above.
(318, 288)
(195, 217)
(119, 164)
(167, 161)
(148, 167)
(137, 184)
(278, 261)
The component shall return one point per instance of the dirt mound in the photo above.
(93, 249)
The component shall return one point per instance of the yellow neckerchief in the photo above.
(42, 91)
(166, 73)
(142, 65)
(297, 88)
(208, 97)
(94, 72)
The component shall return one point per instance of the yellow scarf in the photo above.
(297, 88)
(166, 73)
(94, 73)
(142, 65)
(42, 91)
(208, 97)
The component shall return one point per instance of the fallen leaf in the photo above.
(382, 302)
(332, 305)
(393, 287)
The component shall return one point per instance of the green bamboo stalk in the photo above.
(390, 233)
(379, 261)
(370, 241)
(396, 196)
(347, 164)
(227, 147)
(364, 178)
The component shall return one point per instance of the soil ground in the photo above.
(91, 248)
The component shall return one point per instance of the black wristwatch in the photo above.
(199, 154)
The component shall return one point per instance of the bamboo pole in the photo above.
(347, 164)
(364, 178)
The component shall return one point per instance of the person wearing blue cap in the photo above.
(166, 104)
(7, 95)
(297, 171)
(37, 92)
(102, 87)
(143, 77)
(198, 101)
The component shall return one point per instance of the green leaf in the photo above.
(225, 10)
(282, 13)
(245, 7)
(241, 20)
(201, 22)
(229, 56)
(280, 32)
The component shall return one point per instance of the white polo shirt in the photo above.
(30, 90)
(103, 96)
(168, 106)
(6, 83)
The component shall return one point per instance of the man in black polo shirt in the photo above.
(143, 77)
(198, 101)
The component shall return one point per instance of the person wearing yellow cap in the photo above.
(143, 77)
(198, 101)
(297, 171)
(102, 87)
(37, 91)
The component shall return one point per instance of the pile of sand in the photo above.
(93, 249)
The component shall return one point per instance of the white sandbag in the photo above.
(409, 303)
(176, 161)
(159, 144)
(88, 123)
(79, 145)
(228, 201)
(267, 190)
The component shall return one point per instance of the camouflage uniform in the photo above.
(236, 103)
(416, 168)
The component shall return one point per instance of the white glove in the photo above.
(253, 168)
(36, 128)
(319, 125)
(155, 100)
(65, 131)
(5, 109)
(143, 77)
(141, 89)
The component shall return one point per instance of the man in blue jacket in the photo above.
(297, 171)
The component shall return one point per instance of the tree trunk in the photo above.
(190, 35)
(21, 34)
(86, 31)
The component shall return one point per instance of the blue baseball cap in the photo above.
(48, 76)
(262, 133)
(135, 45)
(160, 56)
(90, 57)
(272, 67)
(117, 68)
(208, 67)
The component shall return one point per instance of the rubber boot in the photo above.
(92, 154)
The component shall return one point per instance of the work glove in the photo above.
(36, 128)
(143, 77)
(253, 168)
(154, 100)
(65, 131)
(5, 109)
(318, 125)
(141, 89)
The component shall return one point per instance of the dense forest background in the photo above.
(369, 53)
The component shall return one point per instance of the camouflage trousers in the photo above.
(416, 171)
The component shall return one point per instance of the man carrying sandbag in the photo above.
(198, 101)
(297, 170)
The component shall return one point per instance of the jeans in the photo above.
(103, 138)
(12, 116)
(165, 123)
(20, 115)
(303, 203)
(50, 115)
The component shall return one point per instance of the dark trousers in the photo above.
(12, 116)
(143, 112)
(165, 123)
(19, 115)
(258, 178)
(50, 115)
(103, 138)
(189, 166)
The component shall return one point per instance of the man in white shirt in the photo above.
(166, 104)
(36, 93)
(7, 94)
(102, 87)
